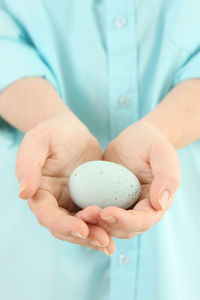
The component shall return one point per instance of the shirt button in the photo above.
(124, 101)
(120, 22)
(123, 259)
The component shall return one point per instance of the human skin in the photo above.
(147, 148)
(173, 124)
(142, 149)
(55, 143)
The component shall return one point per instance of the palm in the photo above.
(146, 153)
(56, 173)
(47, 156)
(59, 148)
(60, 164)
(137, 161)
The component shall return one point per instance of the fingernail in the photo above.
(110, 219)
(78, 235)
(92, 220)
(104, 250)
(164, 199)
(95, 243)
(22, 185)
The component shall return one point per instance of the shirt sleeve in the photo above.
(190, 69)
(18, 56)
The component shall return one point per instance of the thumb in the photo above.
(166, 175)
(31, 157)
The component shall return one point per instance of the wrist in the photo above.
(177, 115)
(29, 101)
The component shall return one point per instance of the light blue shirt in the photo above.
(112, 62)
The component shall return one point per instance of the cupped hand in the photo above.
(147, 153)
(47, 156)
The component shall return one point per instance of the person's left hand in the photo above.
(147, 153)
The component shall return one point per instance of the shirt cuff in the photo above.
(191, 69)
(19, 60)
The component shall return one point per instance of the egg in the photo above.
(103, 183)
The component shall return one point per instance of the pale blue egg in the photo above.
(103, 184)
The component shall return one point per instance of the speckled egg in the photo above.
(103, 184)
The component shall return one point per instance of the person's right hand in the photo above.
(47, 156)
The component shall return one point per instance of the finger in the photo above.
(98, 237)
(31, 157)
(118, 224)
(166, 175)
(110, 249)
(93, 213)
(141, 218)
(90, 214)
(50, 215)
(107, 247)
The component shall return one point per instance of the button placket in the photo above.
(122, 65)
(123, 111)
(123, 270)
